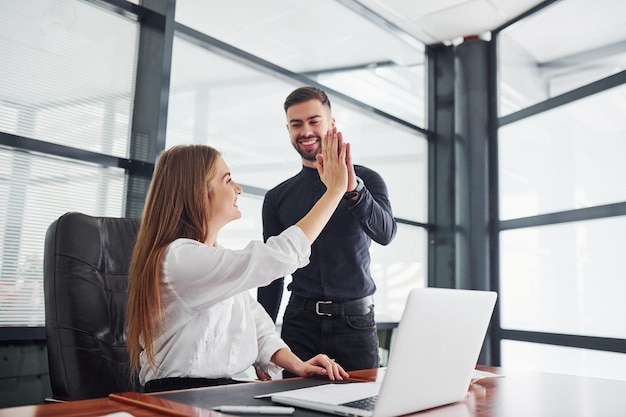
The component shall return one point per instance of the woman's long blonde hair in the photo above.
(176, 207)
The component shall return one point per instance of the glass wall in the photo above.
(536, 63)
(67, 74)
(562, 100)
(565, 278)
(577, 158)
(231, 97)
(563, 360)
(66, 87)
(325, 41)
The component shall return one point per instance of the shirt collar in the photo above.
(310, 173)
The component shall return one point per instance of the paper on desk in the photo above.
(331, 393)
(484, 374)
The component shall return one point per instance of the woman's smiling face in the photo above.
(223, 193)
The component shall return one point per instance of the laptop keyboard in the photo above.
(363, 404)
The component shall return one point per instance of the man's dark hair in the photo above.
(302, 94)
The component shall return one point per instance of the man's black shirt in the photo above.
(339, 268)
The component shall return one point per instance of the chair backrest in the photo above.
(86, 263)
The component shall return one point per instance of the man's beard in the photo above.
(309, 156)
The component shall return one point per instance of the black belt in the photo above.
(357, 307)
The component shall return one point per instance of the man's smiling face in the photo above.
(307, 123)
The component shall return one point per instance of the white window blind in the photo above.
(37, 190)
(67, 78)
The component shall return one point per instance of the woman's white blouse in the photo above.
(212, 327)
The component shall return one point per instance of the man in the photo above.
(331, 307)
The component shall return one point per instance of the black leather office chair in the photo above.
(86, 263)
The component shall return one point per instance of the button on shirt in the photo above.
(340, 261)
(212, 327)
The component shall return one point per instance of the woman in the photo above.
(191, 319)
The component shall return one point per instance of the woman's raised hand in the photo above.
(331, 163)
(333, 169)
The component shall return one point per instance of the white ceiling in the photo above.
(443, 21)
(589, 32)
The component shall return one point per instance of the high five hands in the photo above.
(333, 143)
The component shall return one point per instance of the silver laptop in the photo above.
(431, 362)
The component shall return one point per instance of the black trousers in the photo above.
(346, 332)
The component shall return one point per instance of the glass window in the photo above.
(67, 74)
(67, 77)
(323, 40)
(396, 268)
(567, 158)
(239, 110)
(233, 108)
(397, 90)
(37, 190)
(563, 360)
(535, 63)
(566, 278)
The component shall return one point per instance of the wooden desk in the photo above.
(519, 393)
